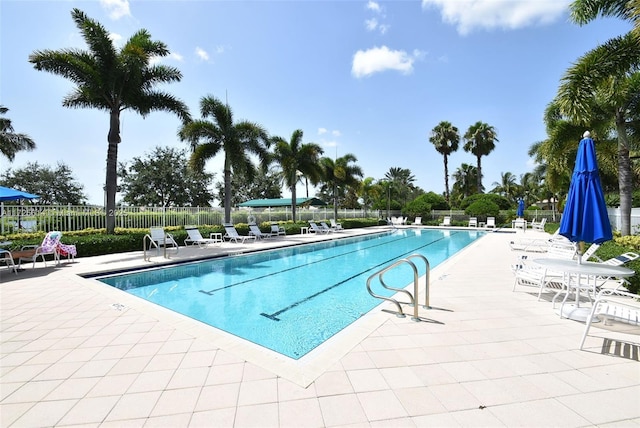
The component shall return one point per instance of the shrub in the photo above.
(483, 209)
(502, 202)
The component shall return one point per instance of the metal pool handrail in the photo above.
(414, 300)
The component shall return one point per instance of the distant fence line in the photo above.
(65, 218)
(78, 217)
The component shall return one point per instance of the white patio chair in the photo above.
(491, 222)
(473, 222)
(232, 234)
(277, 230)
(254, 230)
(446, 222)
(314, 228)
(335, 225)
(195, 238)
(615, 310)
(159, 238)
(417, 221)
(7, 258)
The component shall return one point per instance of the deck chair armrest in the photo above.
(29, 247)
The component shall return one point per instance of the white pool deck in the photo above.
(75, 352)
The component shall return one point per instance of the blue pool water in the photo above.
(291, 300)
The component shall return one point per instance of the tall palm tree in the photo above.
(338, 175)
(480, 140)
(113, 80)
(295, 158)
(236, 140)
(606, 80)
(11, 142)
(446, 138)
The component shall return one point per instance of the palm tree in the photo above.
(338, 175)
(606, 81)
(507, 186)
(296, 158)
(446, 138)
(466, 181)
(369, 191)
(480, 140)
(236, 140)
(401, 180)
(10, 142)
(113, 80)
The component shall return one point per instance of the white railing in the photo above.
(31, 218)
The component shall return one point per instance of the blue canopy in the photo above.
(9, 194)
(585, 215)
(520, 212)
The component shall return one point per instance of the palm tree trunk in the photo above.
(446, 178)
(227, 191)
(293, 197)
(111, 180)
(479, 174)
(625, 177)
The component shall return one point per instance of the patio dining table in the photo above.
(588, 269)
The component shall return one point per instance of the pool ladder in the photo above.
(413, 297)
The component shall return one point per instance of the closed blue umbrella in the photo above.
(9, 194)
(520, 212)
(585, 217)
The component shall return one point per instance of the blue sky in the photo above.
(362, 77)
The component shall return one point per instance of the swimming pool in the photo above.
(291, 300)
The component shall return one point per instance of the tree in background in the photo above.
(236, 140)
(11, 142)
(507, 187)
(446, 138)
(465, 184)
(480, 140)
(113, 80)
(369, 192)
(297, 159)
(401, 181)
(606, 82)
(163, 178)
(338, 175)
(262, 186)
(53, 185)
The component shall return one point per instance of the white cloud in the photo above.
(202, 54)
(468, 15)
(371, 24)
(374, 6)
(158, 59)
(116, 38)
(336, 133)
(116, 8)
(322, 131)
(376, 60)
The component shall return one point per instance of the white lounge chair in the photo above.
(417, 221)
(324, 226)
(232, 234)
(616, 310)
(50, 245)
(159, 238)
(254, 230)
(7, 258)
(539, 226)
(277, 230)
(314, 228)
(491, 222)
(446, 222)
(195, 238)
(335, 225)
(473, 222)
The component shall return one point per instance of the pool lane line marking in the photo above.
(212, 291)
(274, 316)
